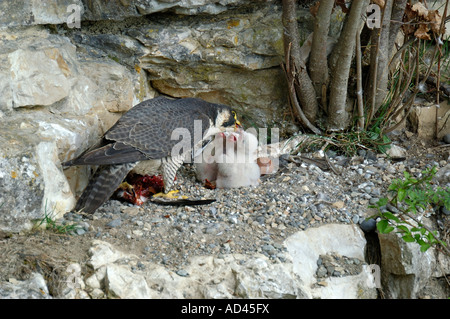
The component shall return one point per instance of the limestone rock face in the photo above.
(423, 119)
(405, 269)
(47, 69)
(345, 240)
(206, 277)
(55, 103)
(232, 59)
(117, 9)
(33, 288)
(36, 68)
(31, 177)
(19, 175)
(116, 274)
(22, 13)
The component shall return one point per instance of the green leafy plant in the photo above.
(51, 224)
(399, 211)
(348, 143)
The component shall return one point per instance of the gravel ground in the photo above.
(245, 220)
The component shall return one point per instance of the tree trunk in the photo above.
(398, 11)
(303, 85)
(318, 65)
(379, 61)
(338, 117)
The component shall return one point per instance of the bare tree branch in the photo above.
(380, 61)
(305, 90)
(290, 71)
(438, 77)
(407, 107)
(318, 65)
(398, 11)
(398, 97)
(359, 93)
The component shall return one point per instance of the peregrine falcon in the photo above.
(149, 131)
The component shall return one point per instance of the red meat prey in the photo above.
(138, 188)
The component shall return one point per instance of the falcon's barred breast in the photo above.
(145, 133)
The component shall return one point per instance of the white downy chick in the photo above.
(236, 165)
(205, 162)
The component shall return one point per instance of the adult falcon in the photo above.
(148, 132)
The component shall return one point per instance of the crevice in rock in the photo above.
(372, 254)
(373, 250)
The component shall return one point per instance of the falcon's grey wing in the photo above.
(145, 132)
(109, 154)
(149, 126)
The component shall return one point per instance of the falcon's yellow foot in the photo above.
(126, 186)
(170, 195)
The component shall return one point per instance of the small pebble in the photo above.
(321, 272)
(182, 273)
(115, 223)
(80, 231)
(368, 225)
(446, 138)
(268, 248)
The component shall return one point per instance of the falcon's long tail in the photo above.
(101, 186)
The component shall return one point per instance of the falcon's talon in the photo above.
(126, 186)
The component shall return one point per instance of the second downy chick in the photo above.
(236, 160)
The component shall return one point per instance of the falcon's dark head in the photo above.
(225, 118)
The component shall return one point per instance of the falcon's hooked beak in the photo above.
(237, 123)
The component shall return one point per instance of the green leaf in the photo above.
(421, 242)
(430, 237)
(401, 194)
(389, 215)
(382, 201)
(384, 227)
(403, 229)
(392, 187)
(381, 225)
(424, 247)
(408, 239)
